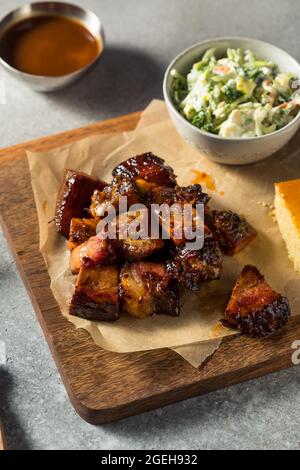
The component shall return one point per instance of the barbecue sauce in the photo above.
(48, 45)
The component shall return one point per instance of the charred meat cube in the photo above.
(92, 253)
(194, 267)
(96, 295)
(192, 194)
(147, 289)
(80, 231)
(74, 198)
(233, 232)
(135, 246)
(121, 185)
(181, 198)
(255, 308)
(137, 250)
(76, 259)
(147, 171)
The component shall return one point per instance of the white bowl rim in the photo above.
(169, 101)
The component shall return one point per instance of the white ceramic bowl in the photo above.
(237, 151)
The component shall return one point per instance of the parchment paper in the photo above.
(195, 353)
(247, 190)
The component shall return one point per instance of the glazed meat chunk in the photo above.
(194, 267)
(137, 250)
(147, 289)
(80, 231)
(96, 295)
(93, 253)
(233, 232)
(192, 194)
(127, 245)
(121, 185)
(181, 197)
(146, 171)
(255, 308)
(74, 199)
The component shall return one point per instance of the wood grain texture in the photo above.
(2, 438)
(105, 386)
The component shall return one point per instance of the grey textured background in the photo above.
(142, 37)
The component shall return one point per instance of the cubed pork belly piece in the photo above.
(147, 171)
(181, 197)
(233, 232)
(130, 248)
(147, 289)
(255, 308)
(96, 295)
(80, 231)
(192, 194)
(93, 253)
(121, 185)
(137, 250)
(194, 267)
(74, 198)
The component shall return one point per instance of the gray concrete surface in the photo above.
(142, 36)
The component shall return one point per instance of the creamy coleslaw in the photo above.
(240, 95)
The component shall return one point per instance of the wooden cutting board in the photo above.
(2, 439)
(105, 386)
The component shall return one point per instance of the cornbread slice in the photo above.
(287, 210)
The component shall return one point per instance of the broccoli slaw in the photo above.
(239, 95)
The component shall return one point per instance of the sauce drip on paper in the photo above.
(204, 178)
(219, 330)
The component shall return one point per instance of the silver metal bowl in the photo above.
(86, 17)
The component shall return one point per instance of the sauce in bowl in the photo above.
(49, 45)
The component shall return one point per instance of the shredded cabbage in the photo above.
(239, 95)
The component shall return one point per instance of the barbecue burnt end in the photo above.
(121, 185)
(80, 231)
(232, 231)
(192, 194)
(74, 198)
(146, 288)
(179, 197)
(146, 171)
(95, 252)
(96, 295)
(192, 268)
(255, 308)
